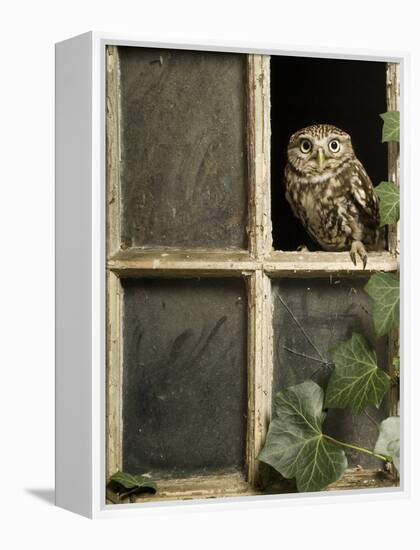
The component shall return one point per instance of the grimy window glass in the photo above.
(185, 376)
(311, 317)
(183, 148)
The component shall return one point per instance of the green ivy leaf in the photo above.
(123, 482)
(389, 202)
(391, 128)
(356, 380)
(384, 289)
(295, 445)
(388, 443)
(396, 364)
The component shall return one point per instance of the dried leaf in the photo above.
(388, 443)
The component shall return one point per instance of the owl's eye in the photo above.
(305, 145)
(334, 145)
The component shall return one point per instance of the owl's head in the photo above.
(318, 151)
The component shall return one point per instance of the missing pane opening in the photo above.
(306, 91)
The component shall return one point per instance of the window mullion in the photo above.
(260, 243)
(114, 290)
(260, 368)
(393, 104)
(114, 375)
(259, 144)
(113, 129)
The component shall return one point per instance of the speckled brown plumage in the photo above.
(330, 191)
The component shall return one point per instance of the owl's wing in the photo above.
(359, 186)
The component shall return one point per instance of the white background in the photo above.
(29, 30)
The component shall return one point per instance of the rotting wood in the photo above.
(212, 486)
(393, 104)
(357, 478)
(234, 485)
(313, 264)
(252, 361)
(113, 294)
(133, 262)
(266, 373)
(259, 369)
(259, 146)
(113, 377)
(113, 153)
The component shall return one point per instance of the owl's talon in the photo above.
(358, 249)
(364, 259)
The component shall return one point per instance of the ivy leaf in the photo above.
(123, 482)
(384, 289)
(388, 443)
(396, 364)
(295, 445)
(356, 381)
(389, 202)
(391, 128)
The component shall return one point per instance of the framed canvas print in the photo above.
(228, 273)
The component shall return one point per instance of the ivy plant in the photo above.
(356, 381)
(389, 440)
(387, 192)
(122, 485)
(296, 445)
(384, 289)
(389, 202)
(391, 126)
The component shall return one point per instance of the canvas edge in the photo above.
(98, 507)
(73, 256)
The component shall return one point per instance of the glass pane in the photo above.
(185, 376)
(310, 318)
(184, 163)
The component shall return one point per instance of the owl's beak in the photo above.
(320, 157)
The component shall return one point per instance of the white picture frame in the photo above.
(80, 274)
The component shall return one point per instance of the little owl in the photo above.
(330, 191)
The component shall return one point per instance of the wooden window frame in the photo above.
(257, 266)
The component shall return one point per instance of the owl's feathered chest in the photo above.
(330, 207)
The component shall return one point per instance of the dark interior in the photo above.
(305, 91)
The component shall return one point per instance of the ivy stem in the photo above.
(360, 449)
